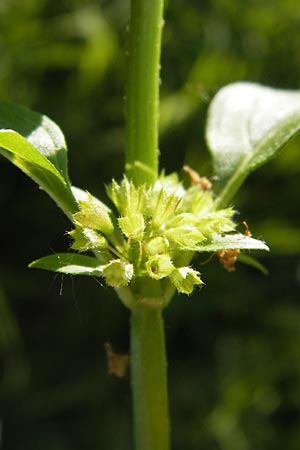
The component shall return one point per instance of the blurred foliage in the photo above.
(234, 347)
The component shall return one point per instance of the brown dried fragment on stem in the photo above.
(247, 229)
(196, 179)
(228, 259)
(117, 364)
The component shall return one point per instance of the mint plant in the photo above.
(142, 242)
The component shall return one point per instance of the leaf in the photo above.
(39, 130)
(246, 259)
(232, 241)
(22, 153)
(247, 125)
(69, 263)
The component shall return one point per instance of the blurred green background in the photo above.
(234, 347)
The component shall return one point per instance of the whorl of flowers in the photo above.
(155, 232)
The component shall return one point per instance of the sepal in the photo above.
(185, 279)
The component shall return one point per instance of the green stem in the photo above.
(149, 379)
(148, 358)
(142, 99)
(230, 189)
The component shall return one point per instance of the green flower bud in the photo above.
(93, 215)
(217, 222)
(184, 279)
(161, 206)
(132, 226)
(187, 237)
(127, 198)
(197, 201)
(87, 239)
(118, 273)
(170, 184)
(159, 266)
(181, 220)
(156, 246)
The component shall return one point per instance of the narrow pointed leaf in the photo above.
(250, 261)
(69, 263)
(232, 241)
(247, 125)
(39, 130)
(25, 156)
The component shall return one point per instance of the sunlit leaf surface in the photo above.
(247, 125)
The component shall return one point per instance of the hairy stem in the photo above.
(149, 379)
(148, 357)
(142, 97)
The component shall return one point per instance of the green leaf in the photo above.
(69, 263)
(250, 261)
(22, 153)
(39, 130)
(232, 241)
(247, 125)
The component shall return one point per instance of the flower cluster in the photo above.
(155, 232)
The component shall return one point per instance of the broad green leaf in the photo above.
(39, 130)
(69, 263)
(232, 241)
(247, 125)
(25, 156)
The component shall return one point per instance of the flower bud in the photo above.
(184, 279)
(187, 237)
(87, 239)
(159, 266)
(94, 215)
(132, 226)
(118, 273)
(162, 206)
(128, 198)
(217, 222)
(156, 246)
